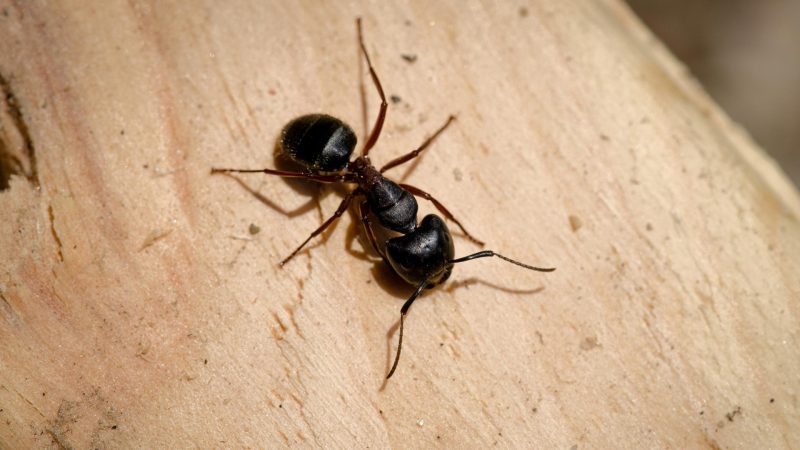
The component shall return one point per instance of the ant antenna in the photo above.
(403, 312)
(487, 253)
(418, 291)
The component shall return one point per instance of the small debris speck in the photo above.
(395, 99)
(420, 422)
(254, 229)
(731, 415)
(772, 400)
(575, 223)
(523, 12)
(457, 174)
(409, 58)
(589, 343)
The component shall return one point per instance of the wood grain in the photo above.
(139, 310)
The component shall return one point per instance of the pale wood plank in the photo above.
(132, 317)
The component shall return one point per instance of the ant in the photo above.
(423, 254)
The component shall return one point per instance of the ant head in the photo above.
(423, 254)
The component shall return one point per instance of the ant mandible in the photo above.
(422, 255)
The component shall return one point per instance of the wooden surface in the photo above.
(138, 310)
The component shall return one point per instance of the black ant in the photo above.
(423, 255)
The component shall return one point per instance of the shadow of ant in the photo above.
(305, 188)
(312, 203)
(302, 187)
(467, 282)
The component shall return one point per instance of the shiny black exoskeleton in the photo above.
(422, 255)
(318, 141)
(324, 144)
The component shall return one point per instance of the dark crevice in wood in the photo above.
(17, 153)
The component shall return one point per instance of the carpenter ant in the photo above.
(423, 255)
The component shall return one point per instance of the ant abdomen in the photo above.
(319, 141)
(424, 254)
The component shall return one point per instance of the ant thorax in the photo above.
(395, 207)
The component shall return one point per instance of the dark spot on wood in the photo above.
(52, 217)
(589, 343)
(409, 58)
(575, 223)
(731, 415)
(395, 99)
(772, 400)
(523, 12)
(253, 229)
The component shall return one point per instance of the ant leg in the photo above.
(409, 156)
(339, 211)
(362, 92)
(420, 193)
(337, 178)
(376, 130)
(487, 253)
(368, 229)
(403, 312)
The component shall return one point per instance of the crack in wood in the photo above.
(53, 231)
(8, 310)
(17, 153)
